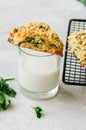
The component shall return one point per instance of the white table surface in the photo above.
(67, 110)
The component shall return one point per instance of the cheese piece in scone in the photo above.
(77, 45)
(37, 36)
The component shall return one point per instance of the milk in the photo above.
(38, 74)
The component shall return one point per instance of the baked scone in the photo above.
(37, 36)
(77, 45)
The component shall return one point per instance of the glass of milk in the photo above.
(38, 74)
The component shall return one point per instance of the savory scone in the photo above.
(37, 36)
(77, 45)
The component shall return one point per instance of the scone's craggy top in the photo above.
(77, 45)
(37, 36)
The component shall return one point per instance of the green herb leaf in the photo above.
(11, 92)
(82, 1)
(6, 104)
(4, 87)
(2, 98)
(8, 79)
(54, 46)
(3, 84)
(30, 38)
(38, 111)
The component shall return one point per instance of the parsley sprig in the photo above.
(5, 89)
(38, 111)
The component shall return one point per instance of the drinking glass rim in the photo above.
(36, 55)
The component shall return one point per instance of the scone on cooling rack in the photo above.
(37, 36)
(77, 45)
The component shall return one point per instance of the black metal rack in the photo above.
(73, 71)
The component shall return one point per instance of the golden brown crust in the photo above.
(77, 45)
(37, 36)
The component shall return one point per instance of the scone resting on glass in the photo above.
(37, 36)
(77, 45)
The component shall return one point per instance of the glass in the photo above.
(38, 74)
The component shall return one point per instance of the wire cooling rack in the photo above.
(73, 71)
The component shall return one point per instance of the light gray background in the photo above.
(67, 111)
